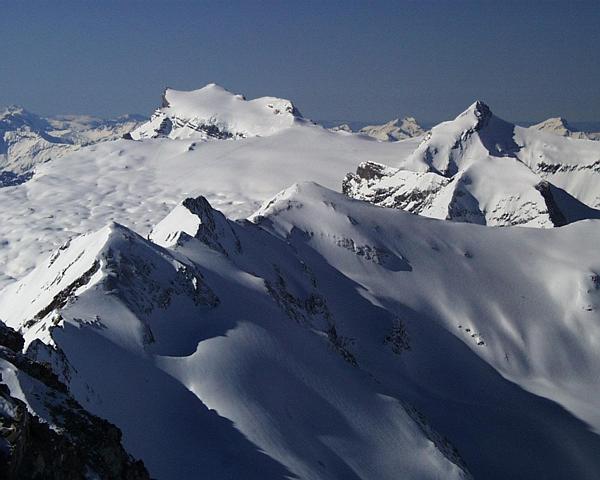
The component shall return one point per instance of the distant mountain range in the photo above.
(27, 139)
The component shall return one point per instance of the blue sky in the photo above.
(368, 60)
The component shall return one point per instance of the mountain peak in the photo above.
(214, 112)
(195, 218)
(480, 110)
(12, 110)
(396, 129)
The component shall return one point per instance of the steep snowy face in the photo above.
(213, 112)
(136, 275)
(560, 126)
(231, 318)
(500, 292)
(329, 336)
(394, 130)
(25, 141)
(477, 169)
(195, 218)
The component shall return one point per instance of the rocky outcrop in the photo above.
(46, 434)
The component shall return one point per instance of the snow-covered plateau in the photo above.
(216, 296)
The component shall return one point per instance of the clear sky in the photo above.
(368, 60)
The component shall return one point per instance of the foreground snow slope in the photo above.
(315, 330)
(217, 323)
(45, 433)
(478, 168)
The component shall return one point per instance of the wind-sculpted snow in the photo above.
(138, 183)
(333, 339)
(481, 169)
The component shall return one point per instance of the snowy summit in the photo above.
(213, 112)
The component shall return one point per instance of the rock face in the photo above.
(195, 218)
(472, 170)
(45, 433)
(560, 126)
(394, 130)
(215, 113)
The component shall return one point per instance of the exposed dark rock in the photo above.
(62, 297)
(11, 179)
(77, 445)
(214, 229)
(10, 338)
(556, 216)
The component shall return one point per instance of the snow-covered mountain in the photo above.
(481, 169)
(213, 112)
(330, 339)
(397, 129)
(343, 128)
(560, 126)
(86, 129)
(242, 321)
(27, 140)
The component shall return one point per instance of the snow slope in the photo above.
(332, 340)
(213, 323)
(508, 175)
(139, 182)
(481, 169)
